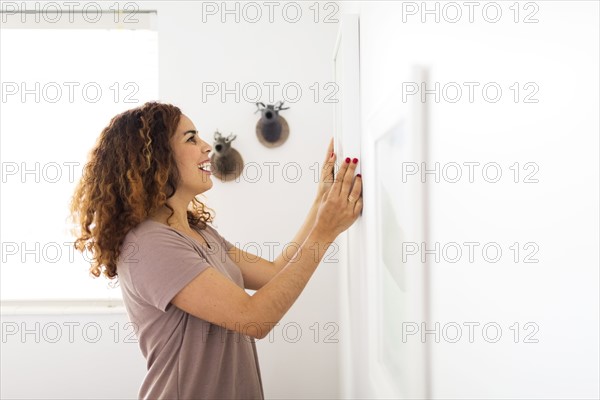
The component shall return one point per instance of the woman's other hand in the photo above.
(326, 180)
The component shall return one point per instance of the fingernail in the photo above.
(331, 155)
(355, 160)
(347, 160)
(359, 175)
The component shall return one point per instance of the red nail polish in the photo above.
(359, 175)
(331, 155)
(355, 160)
(347, 160)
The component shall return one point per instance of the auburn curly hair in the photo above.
(131, 173)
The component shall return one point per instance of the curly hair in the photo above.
(131, 173)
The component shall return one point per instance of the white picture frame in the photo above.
(366, 276)
(347, 143)
(395, 133)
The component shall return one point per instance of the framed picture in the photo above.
(378, 291)
(396, 287)
(347, 143)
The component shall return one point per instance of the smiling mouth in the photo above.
(205, 167)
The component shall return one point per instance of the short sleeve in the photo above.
(166, 263)
(228, 244)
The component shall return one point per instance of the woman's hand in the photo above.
(326, 180)
(342, 204)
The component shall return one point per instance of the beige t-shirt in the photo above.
(187, 357)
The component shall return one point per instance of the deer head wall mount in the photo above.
(272, 129)
(227, 163)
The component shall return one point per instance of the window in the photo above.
(61, 84)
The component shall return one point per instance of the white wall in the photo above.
(68, 352)
(250, 213)
(560, 213)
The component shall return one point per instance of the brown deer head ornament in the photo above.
(272, 129)
(227, 163)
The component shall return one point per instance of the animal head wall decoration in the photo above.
(227, 163)
(272, 129)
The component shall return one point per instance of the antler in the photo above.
(230, 138)
(258, 108)
(278, 106)
(218, 135)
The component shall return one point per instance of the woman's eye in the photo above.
(193, 138)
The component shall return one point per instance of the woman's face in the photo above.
(191, 151)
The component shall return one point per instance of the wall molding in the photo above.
(62, 307)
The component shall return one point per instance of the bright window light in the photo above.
(59, 88)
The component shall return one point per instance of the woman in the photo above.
(182, 282)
